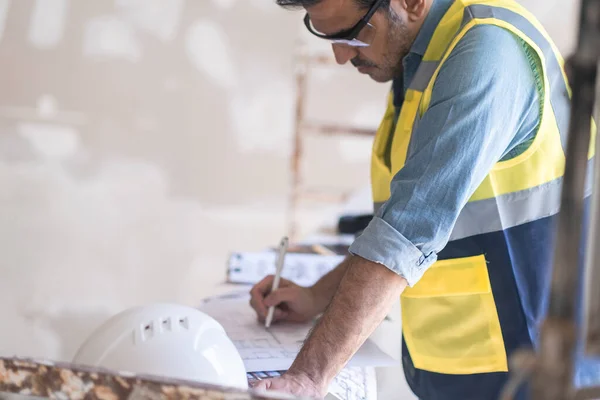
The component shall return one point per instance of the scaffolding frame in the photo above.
(299, 191)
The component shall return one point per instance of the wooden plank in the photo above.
(29, 377)
(332, 130)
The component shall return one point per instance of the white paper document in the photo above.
(302, 269)
(352, 383)
(274, 349)
(355, 383)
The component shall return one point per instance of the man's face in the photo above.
(382, 59)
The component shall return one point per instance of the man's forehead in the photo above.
(332, 16)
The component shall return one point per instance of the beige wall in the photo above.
(140, 142)
(143, 140)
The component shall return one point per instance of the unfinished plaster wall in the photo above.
(142, 140)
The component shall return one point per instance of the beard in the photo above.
(398, 45)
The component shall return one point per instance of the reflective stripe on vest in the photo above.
(511, 209)
(559, 102)
(558, 89)
(451, 319)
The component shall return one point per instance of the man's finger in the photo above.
(280, 296)
(263, 384)
(264, 286)
(259, 385)
(261, 313)
(257, 295)
(279, 315)
(258, 305)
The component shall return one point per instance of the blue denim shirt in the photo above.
(485, 106)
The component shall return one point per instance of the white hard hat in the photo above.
(166, 340)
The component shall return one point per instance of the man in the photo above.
(466, 172)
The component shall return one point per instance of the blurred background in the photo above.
(142, 141)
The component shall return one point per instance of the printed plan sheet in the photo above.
(353, 383)
(303, 269)
(268, 353)
(274, 349)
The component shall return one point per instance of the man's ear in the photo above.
(414, 9)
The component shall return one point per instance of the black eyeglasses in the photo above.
(360, 35)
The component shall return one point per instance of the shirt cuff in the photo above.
(382, 244)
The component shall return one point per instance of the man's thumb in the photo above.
(259, 385)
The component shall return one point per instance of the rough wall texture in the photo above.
(142, 140)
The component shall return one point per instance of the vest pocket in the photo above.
(449, 319)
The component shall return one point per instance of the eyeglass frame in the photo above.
(347, 34)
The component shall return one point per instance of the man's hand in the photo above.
(297, 385)
(364, 297)
(293, 303)
(365, 292)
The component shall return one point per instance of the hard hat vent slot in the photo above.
(184, 322)
(148, 331)
(166, 324)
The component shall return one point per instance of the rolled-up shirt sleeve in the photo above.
(484, 103)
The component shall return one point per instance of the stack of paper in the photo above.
(303, 269)
(274, 349)
(267, 351)
(353, 383)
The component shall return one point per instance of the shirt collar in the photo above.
(418, 48)
(433, 18)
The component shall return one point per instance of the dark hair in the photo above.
(308, 3)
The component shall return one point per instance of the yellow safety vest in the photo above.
(471, 308)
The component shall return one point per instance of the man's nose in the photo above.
(343, 53)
